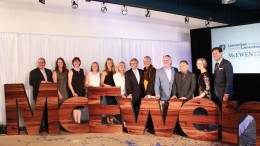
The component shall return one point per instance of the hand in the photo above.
(75, 95)
(174, 97)
(146, 96)
(183, 98)
(225, 97)
(123, 96)
(197, 97)
(44, 81)
(60, 97)
(157, 96)
(129, 96)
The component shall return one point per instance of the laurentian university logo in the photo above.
(223, 47)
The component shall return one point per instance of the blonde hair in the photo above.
(112, 68)
(121, 62)
(204, 62)
(96, 64)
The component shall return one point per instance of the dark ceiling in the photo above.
(242, 11)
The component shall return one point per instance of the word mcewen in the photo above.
(15, 96)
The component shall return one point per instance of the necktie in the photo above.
(44, 74)
(182, 77)
(216, 65)
(137, 76)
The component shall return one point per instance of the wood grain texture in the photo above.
(96, 109)
(187, 119)
(66, 118)
(32, 119)
(165, 129)
(152, 105)
(231, 116)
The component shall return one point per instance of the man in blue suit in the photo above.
(223, 76)
(164, 79)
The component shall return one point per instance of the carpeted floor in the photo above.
(93, 139)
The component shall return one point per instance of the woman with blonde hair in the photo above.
(108, 81)
(119, 77)
(203, 80)
(93, 77)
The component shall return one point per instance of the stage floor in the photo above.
(93, 139)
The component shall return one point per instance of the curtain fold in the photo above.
(19, 54)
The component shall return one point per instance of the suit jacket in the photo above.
(223, 79)
(35, 79)
(150, 86)
(185, 87)
(162, 84)
(132, 86)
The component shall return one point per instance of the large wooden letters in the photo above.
(96, 109)
(187, 119)
(15, 96)
(230, 119)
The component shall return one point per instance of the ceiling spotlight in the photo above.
(124, 10)
(147, 13)
(74, 4)
(187, 19)
(228, 1)
(207, 22)
(42, 1)
(103, 7)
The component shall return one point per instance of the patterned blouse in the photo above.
(204, 84)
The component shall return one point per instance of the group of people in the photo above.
(163, 84)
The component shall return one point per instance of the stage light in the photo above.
(187, 19)
(228, 1)
(124, 10)
(103, 7)
(208, 22)
(147, 13)
(42, 1)
(74, 4)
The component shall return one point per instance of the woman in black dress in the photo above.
(204, 92)
(108, 81)
(203, 80)
(76, 79)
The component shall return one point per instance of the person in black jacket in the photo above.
(223, 77)
(39, 75)
(134, 84)
(149, 78)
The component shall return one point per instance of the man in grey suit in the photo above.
(184, 84)
(164, 79)
(223, 76)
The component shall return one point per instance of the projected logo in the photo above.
(223, 47)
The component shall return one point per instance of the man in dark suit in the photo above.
(149, 78)
(134, 84)
(184, 84)
(223, 77)
(39, 75)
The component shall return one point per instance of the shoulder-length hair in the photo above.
(96, 64)
(64, 67)
(112, 68)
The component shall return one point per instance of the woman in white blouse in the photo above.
(93, 77)
(119, 77)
